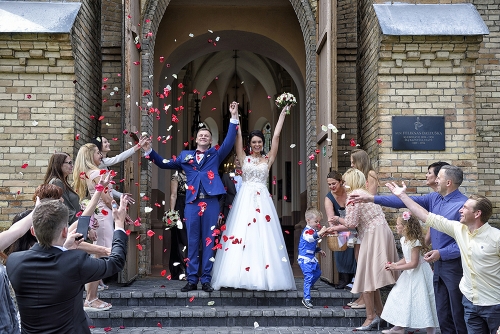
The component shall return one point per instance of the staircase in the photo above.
(159, 303)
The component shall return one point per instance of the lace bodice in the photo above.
(254, 170)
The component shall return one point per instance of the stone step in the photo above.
(195, 316)
(230, 330)
(149, 302)
(161, 292)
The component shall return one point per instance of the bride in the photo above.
(253, 255)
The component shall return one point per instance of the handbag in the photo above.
(336, 242)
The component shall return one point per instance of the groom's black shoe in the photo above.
(189, 287)
(207, 287)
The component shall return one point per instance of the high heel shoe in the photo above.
(375, 323)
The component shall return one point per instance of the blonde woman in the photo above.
(377, 248)
(86, 175)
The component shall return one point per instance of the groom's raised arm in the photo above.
(228, 142)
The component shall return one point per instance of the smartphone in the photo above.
(134, 137)
(83, 227)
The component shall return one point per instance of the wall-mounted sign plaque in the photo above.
(418, 133)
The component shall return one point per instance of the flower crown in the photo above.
(406, 215)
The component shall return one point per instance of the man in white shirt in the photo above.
(479, 245)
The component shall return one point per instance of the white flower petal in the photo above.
(292, 145)
(170, 127)
(115, 89)
(163, 202)
(217, 38)
(181, 276)
(165, 161)
(183, 250)
(212, 259)
(342, 136)
(191, 35)
(211, 303)
(210, 31)
(128, 96)
(144, 133)
(148, 209)
(149, 104)
(150, 76)
(130, 143)
(284, 259)
(328, 139)
(175, 76)
(324, 128)
(176, 264)
(255, 324)
(142, 194)
(35, 123)
(107, 124)
(111, 93)
(280, 247)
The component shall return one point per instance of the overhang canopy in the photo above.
(400, 19)
(37, 17)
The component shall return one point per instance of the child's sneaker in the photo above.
(307, 303)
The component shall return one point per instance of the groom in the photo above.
(202, 202)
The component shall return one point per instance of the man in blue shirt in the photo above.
(446, 201)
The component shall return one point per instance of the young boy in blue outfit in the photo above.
(308, 247)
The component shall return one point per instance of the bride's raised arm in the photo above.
(276, 137)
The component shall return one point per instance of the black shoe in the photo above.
(207, 287)
(189, 287)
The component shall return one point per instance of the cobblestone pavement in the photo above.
(230, 330)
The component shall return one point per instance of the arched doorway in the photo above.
(233, 50)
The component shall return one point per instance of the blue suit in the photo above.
(308, 247)
(203, 175)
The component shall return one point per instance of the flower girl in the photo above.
(411, 301)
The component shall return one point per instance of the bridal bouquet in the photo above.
(286, 99)
(172, 219)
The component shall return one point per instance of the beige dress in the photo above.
(377, 246)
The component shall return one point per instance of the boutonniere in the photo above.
(231, 174)
(238, 172)
(188, 157)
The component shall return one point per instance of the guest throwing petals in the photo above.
(253, 255)
(377, 248)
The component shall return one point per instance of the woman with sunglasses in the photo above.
(60, 167)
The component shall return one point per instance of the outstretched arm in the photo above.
(414, 207)
(276, 137)
(16, 231)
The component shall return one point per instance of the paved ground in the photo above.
(230, 330)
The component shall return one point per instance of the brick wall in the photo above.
(85, 40)
(368, 45)
(111, 81)
(48, 85)
(346, 80)
(487, 94)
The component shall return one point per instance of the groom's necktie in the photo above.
(199, 155)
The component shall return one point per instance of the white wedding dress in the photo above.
(253, 254)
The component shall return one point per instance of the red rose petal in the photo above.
(150, 233)
(139, 247)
